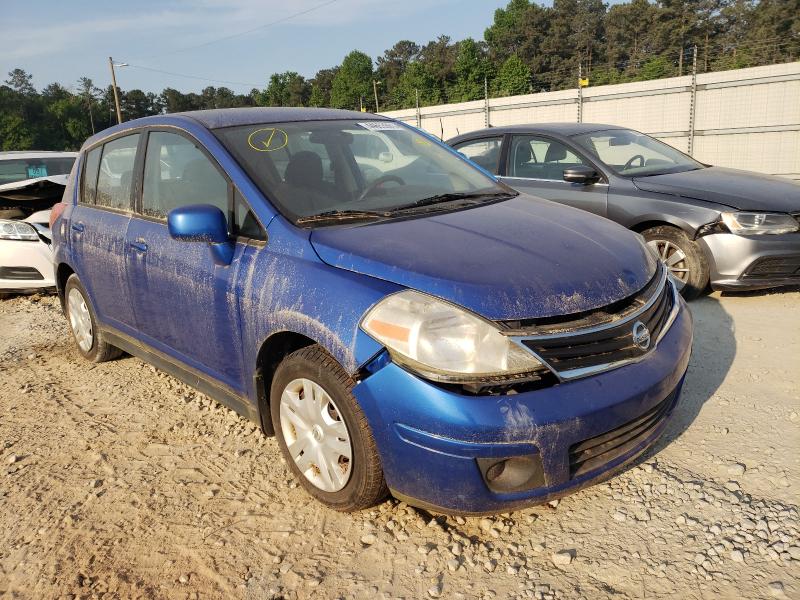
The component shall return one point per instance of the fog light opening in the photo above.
(512, 474)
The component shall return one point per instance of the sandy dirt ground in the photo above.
(118, 481)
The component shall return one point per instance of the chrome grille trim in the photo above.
(577, 373)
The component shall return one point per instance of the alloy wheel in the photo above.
(674, 258)
(80, 319)
(315, 434)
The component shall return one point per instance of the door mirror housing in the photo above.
(581, 174)
(202, 223)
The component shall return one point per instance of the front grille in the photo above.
(591, 454)
(777, 267)
(581, 350)
(20, 274)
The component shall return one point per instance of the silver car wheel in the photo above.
(315, 434)
(674, 258)
(80, 319)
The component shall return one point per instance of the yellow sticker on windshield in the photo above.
(268, 139)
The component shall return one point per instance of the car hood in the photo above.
(39, 188)
(517, 259)
(742, 190)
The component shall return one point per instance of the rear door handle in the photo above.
(139, 245)
(79, 227)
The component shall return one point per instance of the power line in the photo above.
(194, 76)
(246, 32)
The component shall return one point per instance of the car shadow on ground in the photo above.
(713, 352)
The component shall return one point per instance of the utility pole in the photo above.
(419, 116)
(375, 85)
(116, 92)
(486, 101)
(693, 102)
(580, 92)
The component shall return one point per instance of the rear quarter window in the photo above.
(115, 174)
(90, 169)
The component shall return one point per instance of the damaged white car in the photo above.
(30, 184)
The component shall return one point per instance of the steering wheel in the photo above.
(629, 164)
(378, 183)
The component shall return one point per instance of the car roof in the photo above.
(564, 129)
(232, 117)
(27, 154)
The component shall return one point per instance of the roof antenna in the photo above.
(441, 130)
(457, 131)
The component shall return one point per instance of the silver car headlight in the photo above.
(443, 342)
(17, 230)
(755, 223)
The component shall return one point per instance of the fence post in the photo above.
(580, 93)
(693, 102)
(486, 102)
(419, 116)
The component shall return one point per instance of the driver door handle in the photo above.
(139, 245)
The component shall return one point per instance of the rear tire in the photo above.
(313, 410)
(683, 257)
(89, 339)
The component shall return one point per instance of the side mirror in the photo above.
(581, 174)
(385, 157)
(202, 223)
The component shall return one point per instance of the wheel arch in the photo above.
(63, 271)
(661, 221)
(272, 351)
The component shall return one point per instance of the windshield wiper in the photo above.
(473, 197)
(343, 215)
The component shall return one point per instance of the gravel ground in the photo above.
(117, 480)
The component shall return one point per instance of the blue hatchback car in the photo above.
(399, 319)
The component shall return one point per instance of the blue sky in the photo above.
(58, 40)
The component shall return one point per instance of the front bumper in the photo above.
(739, 262)
(26, 265)
(431, 440)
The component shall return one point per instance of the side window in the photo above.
(484, 152)
(116, 172)
(535, 157)
(91, 165)
(177, 173)
(246, 224)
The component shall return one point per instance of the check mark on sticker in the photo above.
(268, 139)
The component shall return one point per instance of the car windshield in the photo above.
(327, 170)
(20, 169)
(633, 154)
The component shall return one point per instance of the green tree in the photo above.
(21, 82)
(321, 85)
(286, 89)
(471, 69)
(416, 78)
(391, 66)
(352, 84)
(513, 78)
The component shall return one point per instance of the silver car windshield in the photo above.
(633, 154)
(356, 167)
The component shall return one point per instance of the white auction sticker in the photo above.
(382, 126)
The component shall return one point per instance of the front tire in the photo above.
(323, 433)
(682, 256)
(83, 323)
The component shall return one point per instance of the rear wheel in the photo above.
(681, 256)
(83, 323)
(323, 433)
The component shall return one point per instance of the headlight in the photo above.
(747, 223)
(443, 342)
(17, 230)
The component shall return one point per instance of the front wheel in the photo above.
(323, 433)
(682, 256)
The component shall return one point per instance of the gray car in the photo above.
(731, 229)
